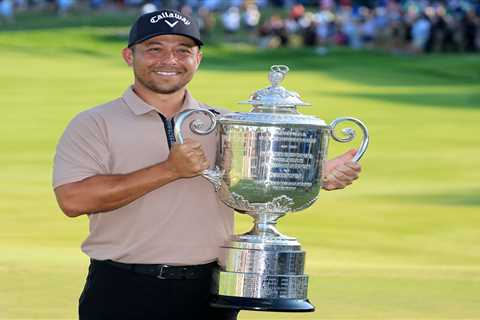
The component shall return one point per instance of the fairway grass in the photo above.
(401, 243)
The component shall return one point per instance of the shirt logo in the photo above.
(170, 16)
(171, 24)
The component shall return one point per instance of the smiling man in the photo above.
(156, 226)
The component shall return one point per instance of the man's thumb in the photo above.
(347, 156)
(344, 158)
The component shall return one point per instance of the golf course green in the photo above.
(403, 242)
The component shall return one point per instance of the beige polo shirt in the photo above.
(181, 223)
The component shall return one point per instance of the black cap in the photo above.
(163, 22)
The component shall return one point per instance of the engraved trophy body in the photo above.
(269, 162)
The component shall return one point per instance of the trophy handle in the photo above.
(198, 127)
(350, 135)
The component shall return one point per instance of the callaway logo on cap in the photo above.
(165, 17)
(163, 22)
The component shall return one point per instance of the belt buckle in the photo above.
(163, 267)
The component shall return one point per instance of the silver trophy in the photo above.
(269, 162)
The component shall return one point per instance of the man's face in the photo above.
(164, 64)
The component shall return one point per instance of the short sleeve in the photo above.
(82, 151)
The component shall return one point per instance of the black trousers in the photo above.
(111, 293)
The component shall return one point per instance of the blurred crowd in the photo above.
(414, 27)
(409, 27)
(398, 26)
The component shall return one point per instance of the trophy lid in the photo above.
(276, 96)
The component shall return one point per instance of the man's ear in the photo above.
(199, 58)
(127, 54)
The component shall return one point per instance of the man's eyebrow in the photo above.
(152, 43)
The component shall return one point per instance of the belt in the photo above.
(163, 271)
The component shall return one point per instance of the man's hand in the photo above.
(341, 171)
(188, 159)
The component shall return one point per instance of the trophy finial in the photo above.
(277, 74)
(276, 96)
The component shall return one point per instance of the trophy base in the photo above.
(280, 305)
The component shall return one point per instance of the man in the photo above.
(156, 226)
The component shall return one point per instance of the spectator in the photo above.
(297, 12)
(469, 29)
(148, 7)
(206, 22)
(367, 28)
(212, 5)
(231, 20)
(351, 30)
(6, 11)
(325, 29)
(64, 6)
(251, 17)
(382, 27)
(133, 3)
(420, 33)
(309, 30)
(20, 5)
(96, 4)
(187, 10)
(273, 33)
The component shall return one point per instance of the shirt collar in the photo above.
(140, 107)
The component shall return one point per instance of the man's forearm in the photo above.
(108, 192)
